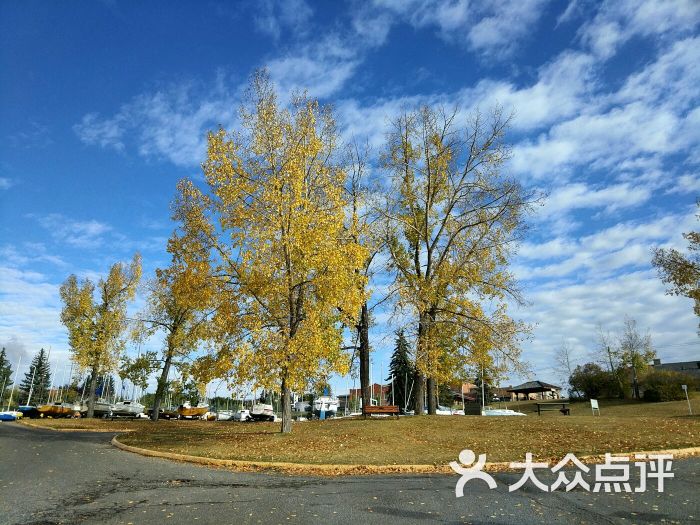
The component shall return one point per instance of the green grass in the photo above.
(622, 427)
(612, 407)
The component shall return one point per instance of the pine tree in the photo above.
(5, 372)
(402, 370)
(37, 379)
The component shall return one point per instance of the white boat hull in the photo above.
(262, 413)
(128, 409)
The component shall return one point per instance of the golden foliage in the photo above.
(452, 220)
(96, 324)
(273, 225)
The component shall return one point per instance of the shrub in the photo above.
(665, 385)
(593, 382)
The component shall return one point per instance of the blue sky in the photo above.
(105, 105)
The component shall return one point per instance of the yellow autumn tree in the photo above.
(180, 302)
(453, 218)
(284, 264)
(95, 316)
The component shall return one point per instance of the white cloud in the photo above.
(687, 183)
(580, 195)
(106, 133)
(29, 314)
(323, 67)
(79, 234)
(491, 29)
(572, 312)
(562, 89)
(623, 245)
(618, 21)
(274, 16)
(599, 140)
(5, 183)
(32, 252)
(170, 123)
(672, 78)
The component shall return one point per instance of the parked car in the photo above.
(242, 415)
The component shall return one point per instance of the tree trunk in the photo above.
(162, 385)
(616, 373)
(286, 408)
(422, 354)
(418, 393)
(91, 397)
(432, 396)
(635, 383)
(363, 332)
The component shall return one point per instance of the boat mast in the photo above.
(31, 387)
(19, 363)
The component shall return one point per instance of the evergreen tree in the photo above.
(489, 384)
(5, 372)
(402, 370)
(37, 379)
(445, 395)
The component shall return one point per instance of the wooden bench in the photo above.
(561, 407)
(391, 410)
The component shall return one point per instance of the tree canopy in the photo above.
(273, 220)
(452, 220)
(95, 316)
(681, 271)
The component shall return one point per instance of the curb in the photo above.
(350, 470)
(290, 468)
(42, 427)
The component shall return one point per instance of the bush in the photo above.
(665, 385)
(594, 382)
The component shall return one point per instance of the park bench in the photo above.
(561, 407)
(391, 410)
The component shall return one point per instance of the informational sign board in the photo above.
(684, 387)
(594, 406)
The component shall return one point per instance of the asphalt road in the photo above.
(51, 478)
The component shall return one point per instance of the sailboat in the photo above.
(102, 408)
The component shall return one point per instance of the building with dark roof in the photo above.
(686, 367)
(535, 390)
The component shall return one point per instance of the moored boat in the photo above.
(224, 415)
(28, 411)
(102, 408)
(56, 409)
(302, 406)
(186, 410)
(10, 415)
(327, 404)
(262, 412)
(127, 408)
(488, 411)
